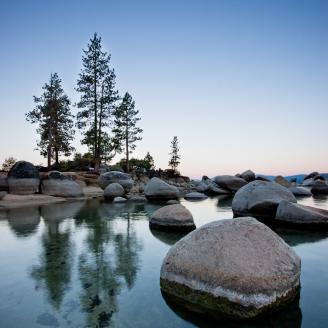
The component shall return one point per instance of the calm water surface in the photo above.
(93, 264)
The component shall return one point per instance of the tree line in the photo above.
(108, 122)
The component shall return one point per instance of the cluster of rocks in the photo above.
(274, 203)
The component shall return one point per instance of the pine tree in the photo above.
(96, 84)
(150, 161)
(125, 128)
(175, 157)
(53, 115)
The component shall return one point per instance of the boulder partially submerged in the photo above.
(229, 182)
(319, 187)
(23, 179)
(236, 268)
(300, 216)
(157, 189)
(113, 190)
(59, 185)
(300, 191)
(174, 218)
(260, 199)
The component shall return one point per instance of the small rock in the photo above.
(123, 179)
(282, 181)
(195, 196)
(119, 200)
(113, 190)
(138, 199)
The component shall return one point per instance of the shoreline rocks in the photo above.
(157, 189)
(195, 196)
(282, 181)
(113, 190)
(236, 268)
(300, 191)
(229, 182)
(319, 187)
(23, 179)
(123, 179)
(175, 218)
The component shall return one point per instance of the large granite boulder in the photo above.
(260, 199)
(319, 187)
(113, 190)
(195, 196)
(123, 179)
(157, 189)
(59, 185)
(301, 216)
(300, 191)
(248, 175)
(282, 181)
(23, 179)
(229, 182)
(174, 218)
(236, 268)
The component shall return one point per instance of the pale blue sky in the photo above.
(243, 84)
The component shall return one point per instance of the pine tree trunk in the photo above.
(49, 156)
(127, 154)
(56, 157)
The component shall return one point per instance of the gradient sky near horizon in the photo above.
(242, 83)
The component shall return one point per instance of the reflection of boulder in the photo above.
(290, 316)
(61, 211)
(168, 238)
(24, 221)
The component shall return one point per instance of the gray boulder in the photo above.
(23, 179)
(175, 218)
(2, 194)
(300, 191)
(282, 181)
(113, 190)
(229, 182)
(119, 200)
(248, 175)
(59, 185)
(308, 182)
(301, 216)
(262, 178)
(157, 189)
(195, 196)
(236, 268)
(319, 187)
(123, 179)
(260, 199)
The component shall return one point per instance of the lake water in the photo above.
(97, 264)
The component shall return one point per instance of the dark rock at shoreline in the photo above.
(319, 187)
(260, 199)
(300, 191)
(123, 179)
(236, 268)
(229, 182)
(195, 196)
(248, 175)
(23, 179)
(311, 175)
(157, 189)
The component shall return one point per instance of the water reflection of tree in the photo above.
(110, 258)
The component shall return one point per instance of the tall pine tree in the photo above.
(175, 157)
(125, 126)
(53, 115)
(96, 84)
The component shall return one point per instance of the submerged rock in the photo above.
(300, 191)
(123, 179)
(319, 187)
(195, 196)
(138, 199)
(23, 179)
(229, 182)
(59, 185)
(172, 218)
(260, 199)
(157, 189)
(113, 190)
(282, 181)
(119, 200)
(236, 268)
(301, 216)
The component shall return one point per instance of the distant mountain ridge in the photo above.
(299, 177)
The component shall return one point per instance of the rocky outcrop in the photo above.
(123, 179)
(113, 190)
(300, 216)
(195, 196)
(300, 191)
(229, 182)
(58, 185)
(23, 179)
(282, 181)
(319, 187)
(248, 175)
(260, 199)
(236, 268)
(175, 218)
(157, 189)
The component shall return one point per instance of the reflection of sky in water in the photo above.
(77, 264)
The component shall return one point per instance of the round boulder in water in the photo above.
(157, 189)
(172, 218)
(113, 190)
(123, 179)
(23, 179)
(236, 268)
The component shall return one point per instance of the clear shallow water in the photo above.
(97, 264)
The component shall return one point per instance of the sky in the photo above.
(243, 84)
